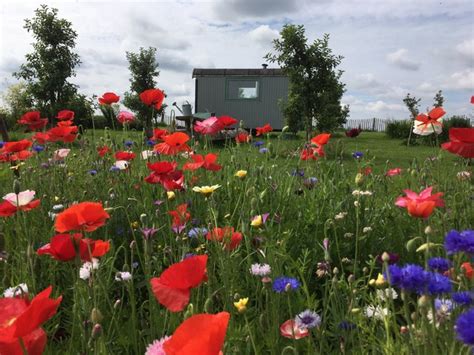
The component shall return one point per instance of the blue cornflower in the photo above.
(2, 144)
(346, 325)
(308, 319)
(443, 304)
(439, 264)
(357, 155)
(128, 144)
(263, 150)
(114, 168)
(413, 278)
(197, 232)
(92, 172)
(438, 283)
(463, 298)
(284, 284)
(298, 172)
(150, 142)
(464, 327)
(258, 143)
(38, 148)
(459, 242)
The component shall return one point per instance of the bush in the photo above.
(399, 129)
(453, 122)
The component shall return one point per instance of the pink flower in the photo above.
(125, 117)
(424, 196)
(156, 348)
(20, 200)
(60, 154)
(290, 330)
(209, 126)
(393, 172)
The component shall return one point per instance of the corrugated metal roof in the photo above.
(237, 72)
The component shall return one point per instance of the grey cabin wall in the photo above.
(211, 97)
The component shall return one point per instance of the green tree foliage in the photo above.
(52, 62)
(16, 101)
(438, 99)
(412, 104)
(315, 89)
(143, 68)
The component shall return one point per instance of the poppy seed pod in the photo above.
(16, 186)
(96, 316)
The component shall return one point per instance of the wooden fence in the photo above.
(374, 124)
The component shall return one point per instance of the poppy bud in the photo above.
(351, 278)
(428, 230)
(117, 304)
(365, 270)
(385, 257)
(16, 186)
(414, 316)
(403, 330)
(424, 301)
(96, 316)
(189, 311)
(132, 244)
(143, 217)
(208, 306)
(359, 179)
(335, 271)
(285, 129)
(96, 331)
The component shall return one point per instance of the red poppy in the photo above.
(125, 117)
(225, 235)
(65, 115)
(153, 97)
(173, 144)
(312, 153)
(208, 162)
(65, 123)
(367, 171)
(64, 247)
(109, 98)
(17, 146)
(21, 155)
(202, 334)
(165, 173)
(393, 172)
(125, 156)
(242, 137)
(227, 121)
(173, 288)
(33, 120)
(41, 137)
(102, 151)
(265, 129)
(180, 215)
(321, 139)
(87, 216)
(354, 132)
(420, 205)
(429, 121)
(290, 330)
(62, 134)
(21, 318)
(158, 134)
(461, 142)
(468, 270)
(472, 100)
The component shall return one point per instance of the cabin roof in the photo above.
(199, 72)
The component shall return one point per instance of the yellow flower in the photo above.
(241, 174)
(241, 305)
(257, 221)
(206, 190)
(135, 224)
(171, 195)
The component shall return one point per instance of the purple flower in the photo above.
(258, 143)
(92, 172)
(459, 242)
(2, 144)
(439, 264)
(298, 172)
(308, 319)
(263, 150)
(463, 298)
(465, 328)
(345, 325)
(38, 148)
(179, 229)
(438, 284)
(158, 202)
(150, 142)
(357, 155)
(284, 284)
(148, 233)
(197, 232)
(128, 144)
(413, 278)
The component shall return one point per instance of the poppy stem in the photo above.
(22, 345)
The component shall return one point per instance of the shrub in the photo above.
(399, 129)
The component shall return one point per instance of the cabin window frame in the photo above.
(244, 78)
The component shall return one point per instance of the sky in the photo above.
(390, 47)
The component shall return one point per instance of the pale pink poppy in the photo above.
(393, 172)
(290, 330)
(22, 199)
(60, 154)
(125, 117)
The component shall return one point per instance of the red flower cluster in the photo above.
(153, 97)
(180, 215)
(264, 130)
(33, 120)
(225, 235)
(243, 137)
(318, 151)
(21, 318)
(207, 162)
(165, 173)
(173, 144)
(17, 150)
(173, 288)
(125, 156)
(65, 247)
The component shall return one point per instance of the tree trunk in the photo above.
(3, 128)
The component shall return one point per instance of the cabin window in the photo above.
(242, 89)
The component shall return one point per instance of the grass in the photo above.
(301, 216)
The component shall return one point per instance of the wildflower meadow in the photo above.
(113, 242)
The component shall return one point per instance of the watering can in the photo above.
(187, 109)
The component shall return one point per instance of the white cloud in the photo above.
(381, 106)
(466, 49)
(462, 80)
(401, 60)
(264, 35)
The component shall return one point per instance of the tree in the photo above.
(52, 62)
(17, 101)
(412, 104)
(315, 89)
(143, 69)
(438, 99)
